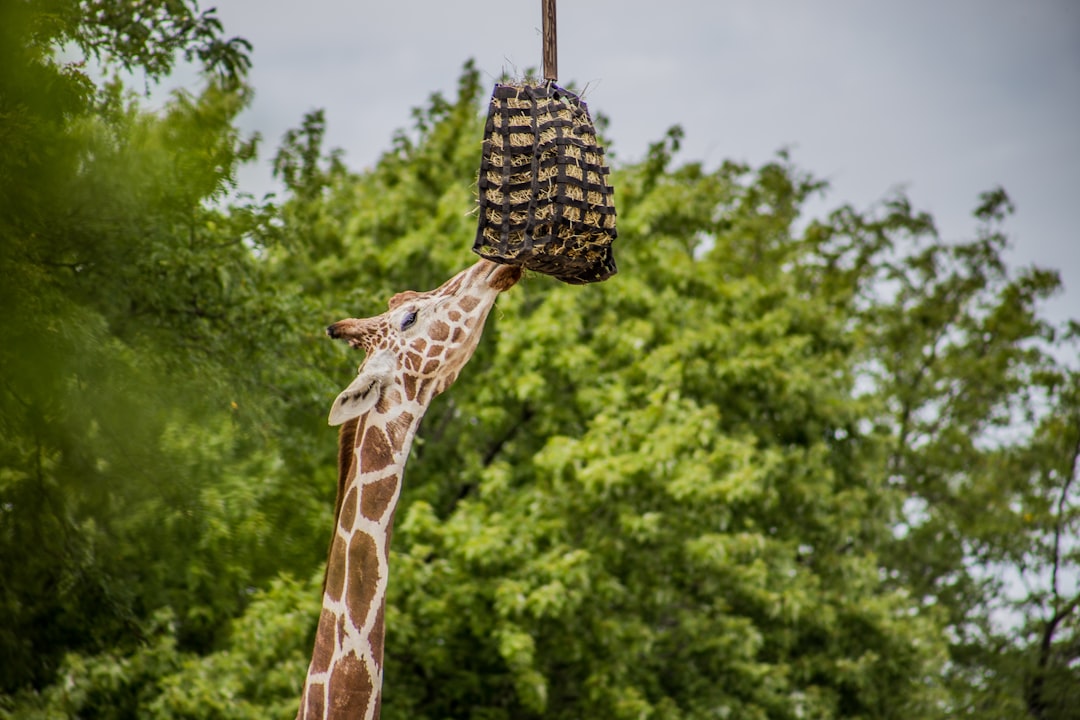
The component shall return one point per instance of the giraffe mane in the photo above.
(346, 449)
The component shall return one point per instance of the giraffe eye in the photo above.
(408, 319)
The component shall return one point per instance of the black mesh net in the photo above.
(545, 200)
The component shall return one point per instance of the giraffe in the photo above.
(414, 351)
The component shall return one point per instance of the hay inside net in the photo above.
(545, 201)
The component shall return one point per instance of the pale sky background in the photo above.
(944, 98)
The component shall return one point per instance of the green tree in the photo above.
(645, 514)
(665, 507)
(792, 345)
(982, 429)
(145, 455)
(775, 468)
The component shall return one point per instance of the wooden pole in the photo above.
(551, 53)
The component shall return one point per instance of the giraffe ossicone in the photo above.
(415, 351)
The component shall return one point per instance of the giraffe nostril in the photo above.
(331, 330)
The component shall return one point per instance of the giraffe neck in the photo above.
(345, 675)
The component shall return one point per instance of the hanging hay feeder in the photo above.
(545, 200)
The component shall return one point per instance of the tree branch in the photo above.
(1059, 526)
(1037, 705)
(493, 452)
(527, 414)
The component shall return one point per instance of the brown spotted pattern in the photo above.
(439, 331)
(314, 701)
(324, 642)
(335, 573)
(375, 451)
(351, 686)
(430, 336)
(364, 575)
(398, 428)
(377, 496)
(348, 510)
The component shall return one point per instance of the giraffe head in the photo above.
(416, 348)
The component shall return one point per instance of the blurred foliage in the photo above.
(777, 467)
(143, 463)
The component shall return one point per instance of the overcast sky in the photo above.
(944, 98)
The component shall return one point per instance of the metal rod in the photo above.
(551, 52)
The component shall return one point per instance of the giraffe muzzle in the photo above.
(353, 330)
(503, 277)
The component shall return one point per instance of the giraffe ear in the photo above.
(364, 391)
